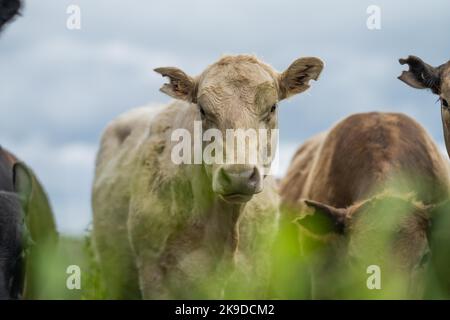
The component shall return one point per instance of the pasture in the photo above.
(102, 202)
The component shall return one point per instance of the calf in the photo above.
(424, 76)
(168, 230)
(18, 182)
(28, 217)
(14, 184)
(372, 184)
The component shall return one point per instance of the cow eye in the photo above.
(273, 108)
(444, 103)
(425, 259)
(202, 111)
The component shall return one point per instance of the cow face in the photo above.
(423, 76)
(387, 232)
(13, 234)
(238, 97)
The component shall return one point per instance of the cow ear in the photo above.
(420, 75)
(324, 219)
(23, 182)
(296, 78)
(180, 86)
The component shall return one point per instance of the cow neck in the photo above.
(446, 128)
(220, 218)
(222, 227)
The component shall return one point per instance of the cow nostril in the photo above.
(253, 179)
(235, 179)
(444, 103)
(225, 177)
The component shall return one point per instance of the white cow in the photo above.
(167, 230)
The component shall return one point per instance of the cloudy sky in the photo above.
(60, 87)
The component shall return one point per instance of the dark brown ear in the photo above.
(324, 219)
(181, 86)
(296, 78)
(23, 182)
(421, 75)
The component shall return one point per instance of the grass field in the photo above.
(290, 279)
(72, 251)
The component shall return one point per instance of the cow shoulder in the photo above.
(293, 184)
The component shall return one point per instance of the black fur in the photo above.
(11, 265)
(11, 237)
(8, 10)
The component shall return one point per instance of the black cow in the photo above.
(27, 230)
(15, 184)
(15, 189)
(24, 206)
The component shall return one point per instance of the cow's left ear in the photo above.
(23, 182)
(180, 86)
(420, 74)
(296, 78)
(324, 219)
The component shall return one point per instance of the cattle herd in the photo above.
(364, 205)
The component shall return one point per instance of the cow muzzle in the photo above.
(237, 183)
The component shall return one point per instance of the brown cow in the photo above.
(424, 76)
(372, 182)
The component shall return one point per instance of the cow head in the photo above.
(241, 94)
(13, 234)
(389, 232)
(423, 76)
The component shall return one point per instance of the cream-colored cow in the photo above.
(166, 230)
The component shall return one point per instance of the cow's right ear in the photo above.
(420, 74)
(323, 219)
(23, 182)
(180, 86)
(296, 78)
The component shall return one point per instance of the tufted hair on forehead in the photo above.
(228, 60)
(241, 58)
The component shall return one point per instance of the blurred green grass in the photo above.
(71, 251)
(290, 274)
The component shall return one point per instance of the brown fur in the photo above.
(423, 76)
(365, 166)
(363, 151)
